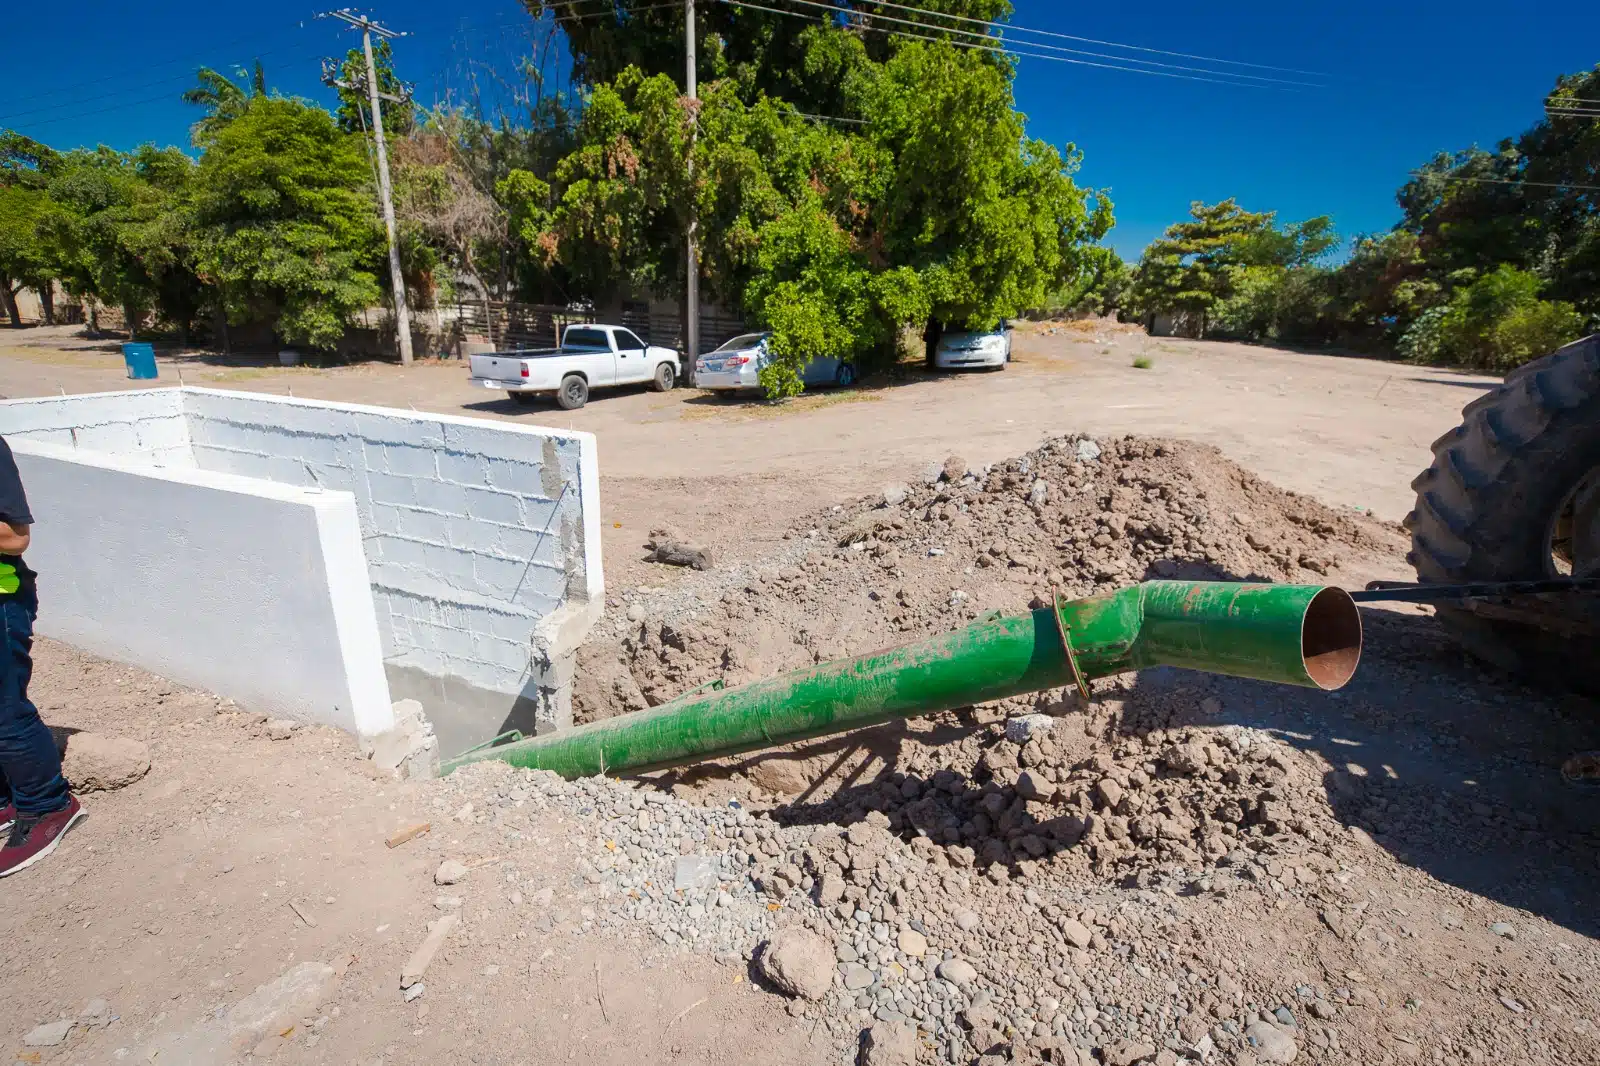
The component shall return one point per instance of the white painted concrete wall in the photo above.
(149, 423)
(481, 538)
(255, 591)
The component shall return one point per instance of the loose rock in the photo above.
(799, 962)
(94, 762)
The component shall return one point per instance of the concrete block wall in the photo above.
(481, 539)
(148, 423)
(255, 591)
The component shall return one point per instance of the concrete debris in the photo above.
(1504, 929)
(95, 1013)
(439, 931)
(413, 991)
(450, 872)
(1026, 727)
(954, 469)
(409, 750)
(1087, 451)
(50, 1034)
(282, 728)
(893, 495)
(264, 1013)
(799, 962)
(100, 763)
(694, 871)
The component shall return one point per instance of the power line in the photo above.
(1092, 40)
(1012, 51)
(1052, 47)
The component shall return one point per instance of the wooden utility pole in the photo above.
(692, 282)
(402, 315)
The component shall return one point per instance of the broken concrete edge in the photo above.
(556, 639)
(409, 750)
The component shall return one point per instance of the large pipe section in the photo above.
(1307, 635)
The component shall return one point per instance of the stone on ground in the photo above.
(1024, 727)
(800, 962)
(889, 1044)
(267, 1011)
(450, 872)
(99, 763)
(49, 1034)
(958, 972)
(1271, 1043)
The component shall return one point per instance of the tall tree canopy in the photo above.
(285, 221)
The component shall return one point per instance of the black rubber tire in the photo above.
(573, 393)
(523, 399)
(1485, 507)
(666, 377)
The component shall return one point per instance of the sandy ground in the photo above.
(1352, 432)
(173, 899)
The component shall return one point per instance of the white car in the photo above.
(591, 356)
(737, 365)
(964, 350)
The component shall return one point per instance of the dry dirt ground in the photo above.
(1438, 810)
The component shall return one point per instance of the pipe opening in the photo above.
(1330, 638)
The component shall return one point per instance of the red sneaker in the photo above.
(8, 814)
(33, 836)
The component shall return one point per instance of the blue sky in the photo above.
(1398, 82)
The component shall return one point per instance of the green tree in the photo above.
(399, 119)
(1228, 262)
(119, 231)
(286, 226)
(24, 260)
(1497, 322)
(223, 98)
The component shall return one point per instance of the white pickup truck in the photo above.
(590, 356)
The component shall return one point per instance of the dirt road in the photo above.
(1352, 432)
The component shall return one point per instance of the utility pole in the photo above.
(692, 283)
(402, 316)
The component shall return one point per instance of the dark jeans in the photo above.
(30, 767)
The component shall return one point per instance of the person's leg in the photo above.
(30, 766)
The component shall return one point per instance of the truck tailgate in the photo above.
(497, 367)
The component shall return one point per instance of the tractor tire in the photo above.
(1514, 494)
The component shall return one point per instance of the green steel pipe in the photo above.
(1306, 635)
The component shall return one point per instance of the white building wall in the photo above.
(252, 590)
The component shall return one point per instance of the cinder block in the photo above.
(506, 654)
(158, 434)
(409, 461)
(513, 476)
(501, 579)
(513, 627)
(316, 450)
(528, 542)
(472, 470)
(424, 526)
(449, 566)
(452, 643)
(117, 438)
(492, 441)
(492, 506)
(384, 518)
(440, 496)
(386, 488)
(417, 431)
(400, 552)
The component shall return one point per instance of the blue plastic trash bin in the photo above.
(141, 360)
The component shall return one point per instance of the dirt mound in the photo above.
(1075, 514)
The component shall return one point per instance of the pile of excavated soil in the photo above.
(1074, 514)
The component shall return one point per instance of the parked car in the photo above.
(737, 365)
(591, 356)
(962, 350)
